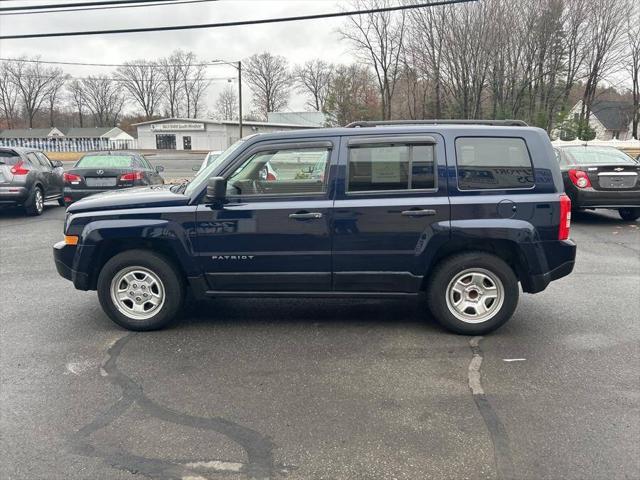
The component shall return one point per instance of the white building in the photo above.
(200, 134)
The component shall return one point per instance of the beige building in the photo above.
(200, 134)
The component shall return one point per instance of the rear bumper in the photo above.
(64, 256)
(74, 194)
(590, 198)
(560, 259)
(13, 195)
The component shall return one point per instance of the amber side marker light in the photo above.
(71, 239)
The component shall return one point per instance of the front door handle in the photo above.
(418, 213)
(306, 215)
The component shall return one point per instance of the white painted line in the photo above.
(514, 359)
(217, 465)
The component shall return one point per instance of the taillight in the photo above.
(579, 178)
(131, 176)
(19, 168)
(71, 178)
(565, 217)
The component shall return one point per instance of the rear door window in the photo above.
(34, 160)
(390, 167)
(491, 163)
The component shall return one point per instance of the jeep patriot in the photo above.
(466, 212)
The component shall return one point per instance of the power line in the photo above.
(162, 3)
(82, 64)
(235, 23)
(80, 4)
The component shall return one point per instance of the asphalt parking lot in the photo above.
(320, 389)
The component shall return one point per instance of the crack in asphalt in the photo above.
(497, 432)
(259, 449)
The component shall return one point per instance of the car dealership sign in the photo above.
(177, 126)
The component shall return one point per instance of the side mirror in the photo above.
(56, 163)
(159, 168)
(216, 190)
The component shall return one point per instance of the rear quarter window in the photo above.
(493, 163)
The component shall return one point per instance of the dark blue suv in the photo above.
(462, 212)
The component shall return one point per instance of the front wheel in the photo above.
(629, 214)
(473, 293)
(140, 290)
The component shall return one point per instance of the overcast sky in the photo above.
(298, 41)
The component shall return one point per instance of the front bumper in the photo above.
(64, 256)
(590, 198)
(10, 196)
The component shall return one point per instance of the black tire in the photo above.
(35, 203)
(629, 214)
(171, 281)
(451, 267)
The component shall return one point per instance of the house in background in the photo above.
(106, 137)
(609, 119)
(14, 134)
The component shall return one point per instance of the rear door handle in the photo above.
(418, 213)
(306, 215)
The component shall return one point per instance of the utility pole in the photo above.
(238, 66)
(240, 97)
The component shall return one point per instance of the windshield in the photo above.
(595, 155)
(202, 176)
(109, 161)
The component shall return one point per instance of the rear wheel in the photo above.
(140, 290)
(473, 293)
(629, 214)
(35, 203)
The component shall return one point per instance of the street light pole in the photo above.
(238, 66)
(240, 97)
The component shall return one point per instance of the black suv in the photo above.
(462, 212)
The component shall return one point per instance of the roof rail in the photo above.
(501, 123)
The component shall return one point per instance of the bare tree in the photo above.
(193, 79)
(142, 81)
(633, 35)
(33, 81)
(377, 39)
(605, 37)
(8, 96)
(227, 104)
(53, 95)
(103, 99)
(353, 96)
(77, 97)
(170, 71)
(425, 38)
(270, 81)
(314, 78)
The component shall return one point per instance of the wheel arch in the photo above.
(112, 247)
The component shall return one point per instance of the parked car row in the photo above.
(28, 178)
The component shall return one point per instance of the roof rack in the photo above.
(501, 123)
